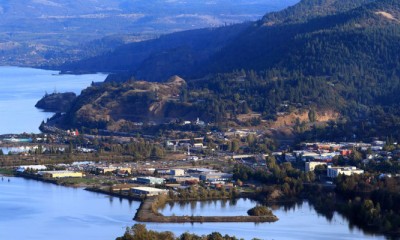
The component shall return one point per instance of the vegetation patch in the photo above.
(260, 211)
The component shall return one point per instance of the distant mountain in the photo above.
(162, 57)
(34, 32)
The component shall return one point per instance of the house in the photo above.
(333, 172)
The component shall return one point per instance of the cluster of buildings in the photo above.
(321, 154)
(144, 177)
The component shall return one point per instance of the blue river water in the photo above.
(21, 88)
(36, 210)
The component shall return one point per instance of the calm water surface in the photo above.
(21, 88)
(35, 210)
(298, 222)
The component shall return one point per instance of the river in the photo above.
(36, 210)
(21, 88)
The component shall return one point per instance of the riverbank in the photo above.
(146, 213)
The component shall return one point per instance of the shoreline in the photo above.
(145, 214)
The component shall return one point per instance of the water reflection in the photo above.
(297, 220)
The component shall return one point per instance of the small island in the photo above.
(260, 211)
(56, 102)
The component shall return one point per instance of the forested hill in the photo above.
(309, 9)
(160, 58)
(345, 60)
(356, 39)
(317, 37)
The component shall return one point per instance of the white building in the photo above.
(32, 167)
(148, 191)
(333, 172)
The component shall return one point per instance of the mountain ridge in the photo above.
(346, 62)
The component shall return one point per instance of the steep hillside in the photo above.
(120, 107)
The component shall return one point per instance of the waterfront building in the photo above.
(32, 167)
(148, 191)
(61, 174)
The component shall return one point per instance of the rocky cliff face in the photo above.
(120, 106)
(56, 102)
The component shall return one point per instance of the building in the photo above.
(310, 166)
(61, 174)
(150, 180)
(198, 145)
(184, 179)
(148, 191)
(200, 170)
(177, 172)
(216, 177)
(125, 169)
(104, 170)
(333, 172)
(32, 167)
(193, 158)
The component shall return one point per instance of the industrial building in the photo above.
(150, 180)
(104, 170)
(148, 191)
(61, 174)
(333, 172)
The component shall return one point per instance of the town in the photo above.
(179, 163)
(203, 165)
